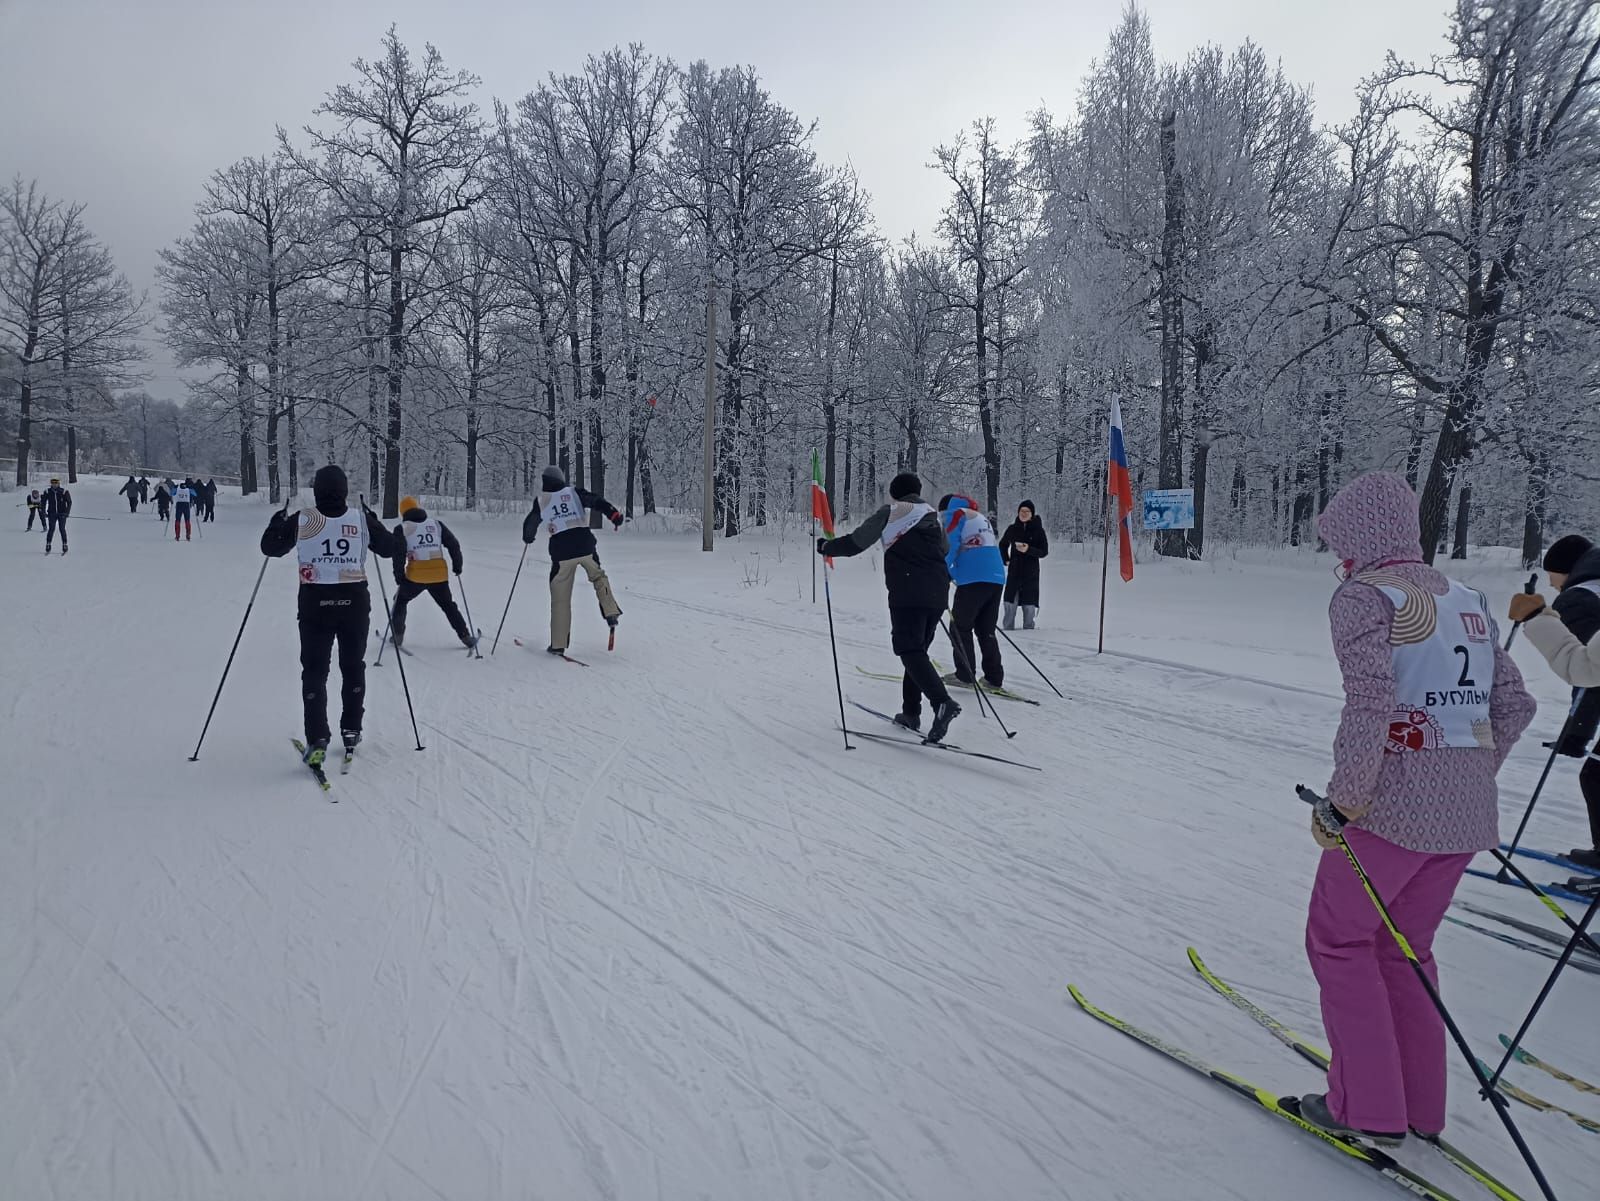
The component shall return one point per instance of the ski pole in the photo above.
(384, 641)
(1495, 1098)
(838, 683)
(1529, 587)
(472, 629)
(399, 659)
(229, 665)
(976, 687)
(1578, 935)
(509, 595)
(1031, 663)
(1544, 898)
(1555, 749)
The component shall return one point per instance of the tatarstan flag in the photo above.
(820, 508)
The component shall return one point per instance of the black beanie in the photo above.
(1564, 553)
(552, 480)
(329, 486)
(903, 485)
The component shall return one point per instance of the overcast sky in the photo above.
(128, 105)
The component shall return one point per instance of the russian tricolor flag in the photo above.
(1119, 486)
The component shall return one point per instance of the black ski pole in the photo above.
(1555, 749)
(1031, 663)
(495, 644)
(1496, 1099)
(399, 659)
(1529, 588)
(976, 687)
(229, 665)
(838, 683)
(472, 630)
(1578, 935)
(1544, 898)
(388, 623)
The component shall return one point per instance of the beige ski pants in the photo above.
(561, 576)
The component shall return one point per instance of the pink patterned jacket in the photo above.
(1437, 801)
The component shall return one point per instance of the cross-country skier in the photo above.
(35, 500)
(334, 603)
(182, 503)
(55, 506)
(1022, 546)
(144, 489)
(563, 512)
(980, 575)
(208, 492)
(1433, 706)
(914, 570)
(163, 500)
(1574, 567)
(131, 491)
(420, 567)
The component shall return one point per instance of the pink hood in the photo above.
(1373, 520)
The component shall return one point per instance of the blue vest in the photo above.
(974, 556)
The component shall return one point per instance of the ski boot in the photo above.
(559, 652)
(315, 753)
(351, 739)
(470, 641)
(909, 721)
(1314, 1109)
(1585, 857)
(942, 717)
(953, 678)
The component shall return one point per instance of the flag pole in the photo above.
(813, 527)
(1105, 560)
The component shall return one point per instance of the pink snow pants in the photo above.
(1388, 1041)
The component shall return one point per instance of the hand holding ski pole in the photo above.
(1522, 609)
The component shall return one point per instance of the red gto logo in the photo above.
(1477, 627)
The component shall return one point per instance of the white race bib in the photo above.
(1443, 652)
(562, 511)
(902, 516)
(332, 550)
(976, 531)
(180, 495)
(423, 540)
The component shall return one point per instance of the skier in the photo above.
(1433, 707)
(209, 492)
(144, 490)
(976, 567)
(163, 501)
(55, 506)
(563, 511)
(420, 568)
(1022, 546)
(182, 500)
(35, 499)
(131, 491)
(918, 580)
(1574, 567)
(334, 602)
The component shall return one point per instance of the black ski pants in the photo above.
(977, 611)
(1589, 782)
(33, 511)
(343, 619)
(51, 525)
(133, 502)
(409, 590)
(913, 630)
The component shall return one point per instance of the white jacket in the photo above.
(1575, 662)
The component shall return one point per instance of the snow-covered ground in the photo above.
(645, 929)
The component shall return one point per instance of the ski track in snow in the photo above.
(647, 930)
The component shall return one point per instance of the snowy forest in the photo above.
(444, 294)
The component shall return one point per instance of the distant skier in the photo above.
(563, 511)
(144, 490)
(35, 500)
(1022, 546)
(420, 567)
(131, 491)
(1574, 566)
(334, 603)
(163, 501)
(55, 506)
(914, 570)
(976, 567)
(182, 502)
(209, 495)
(1433, 707)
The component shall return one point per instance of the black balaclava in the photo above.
(330, 488)
(552, 480)
(905, 485)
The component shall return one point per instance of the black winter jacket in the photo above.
(570, 544)
(1024, 566)
(914, 568)
(57, 502)
(1579, 610)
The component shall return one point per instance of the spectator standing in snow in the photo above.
(1574, 567)
(1022, 546)
(55, 506)
(975, 566)
(1433, 706)
(563, 511)
(918, 579)
(335, 605)
(131, 491)
(420, 567)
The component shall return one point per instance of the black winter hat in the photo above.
(903, 485)
(1028, 505)
(552, 480)
(329, 486)
(1564, 553)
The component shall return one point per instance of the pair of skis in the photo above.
(1004, 694)
(1287, 1108)
(918, 742)
(319, 772)
(611, 645)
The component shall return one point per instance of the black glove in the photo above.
(822, 545)
(616, 521)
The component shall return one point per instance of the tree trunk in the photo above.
(245, 403)
(397, 366)
(598, 265)
(1419, 421)
(991, 449)
(1171, 542)
(1463, 508)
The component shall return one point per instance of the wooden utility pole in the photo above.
(708, 518)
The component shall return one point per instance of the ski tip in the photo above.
(1194, 958)
(1077, 996)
